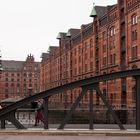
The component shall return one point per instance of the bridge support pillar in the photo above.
(46, 113)
(137, 102)
(91, 110)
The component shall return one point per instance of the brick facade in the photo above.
(109, 44)
(19, 78)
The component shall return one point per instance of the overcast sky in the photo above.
(30, 26)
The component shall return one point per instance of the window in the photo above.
(18, 85)
(104, 48)
(6, 95)
(6, 84)
(6, 79)
(85, 67)
(75, 60)
(112, 31)
(30, 85)
(85, 56)
(104, 61)
(6, 74)
(12, 84)
(91, 66)
(85, 44)
(91, 54)
(12, 79)
(134, 19)
(75, 71)
(104, 93)
(111, 98)
(30, 75)
(80, 71)
(134, 35)
(134, 52)
(6, 90)
(75, 51)
(112, 59)
(79, 59)
(133, 94)
(104, 35)
(24, 74)
(12, 90)
(91, 43)
(79, 49)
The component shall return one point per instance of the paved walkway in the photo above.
(66, 132)
(28, 137)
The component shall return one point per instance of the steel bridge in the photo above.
(89, 84)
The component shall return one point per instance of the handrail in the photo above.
(80, 83)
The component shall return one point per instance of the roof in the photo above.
(98, 11)
(11, 64)
(14, 65)
(45, 56)
(85, 26)
(52, 48)
(93, 12)
(61, 35)
(101, 10)
(72, 32)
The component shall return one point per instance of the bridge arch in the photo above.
(86, 84)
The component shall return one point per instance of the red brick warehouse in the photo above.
(109, 44)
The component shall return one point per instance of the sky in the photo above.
(31, 26)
